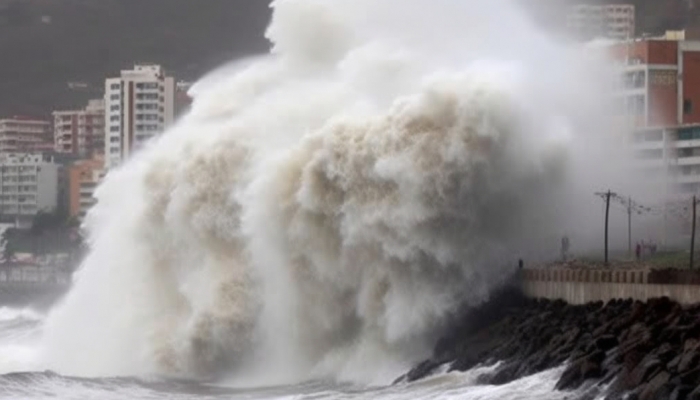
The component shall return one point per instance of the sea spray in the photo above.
(323, 210)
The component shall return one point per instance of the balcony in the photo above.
(648, 145)
(687, 160)
(690, 178)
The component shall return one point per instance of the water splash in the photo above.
(323, 209)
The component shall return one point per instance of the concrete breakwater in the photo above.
(581, 286)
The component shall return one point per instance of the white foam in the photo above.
(13, 314)
(323, 209)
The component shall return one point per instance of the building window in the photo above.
(114, 107)
(114, 118)
(636, 105)
(115, 86)
(147, 85)
(689, 133)
(685, 152)
(635, 80)
(147, 96)
(687, 107)
(114, 97)
(114, 150)
(114, 129)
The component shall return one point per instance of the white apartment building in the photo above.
(25, 134)
(29, 185)
(671, 154)
(80, 132)
(139, 105)
(613, 21)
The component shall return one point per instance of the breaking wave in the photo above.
(324, 209)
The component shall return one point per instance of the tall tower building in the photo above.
(139, 105)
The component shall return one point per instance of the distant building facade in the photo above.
(612, 21)
(139, 105)
(659, 82)
(80, 132)
(25, 135)
(183, 100)
(84, 176)
(29, 186)
(671, 153)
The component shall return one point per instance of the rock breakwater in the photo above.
(624, 348)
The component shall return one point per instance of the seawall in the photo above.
(580, 286)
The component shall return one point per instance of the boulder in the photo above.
(695, 394)
(657, 388)
(606, 342)
(681, 392)
(691, 377)
(422, 370)
(688, 361)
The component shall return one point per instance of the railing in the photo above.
(661, 276)
(30, 275)
(586, 275)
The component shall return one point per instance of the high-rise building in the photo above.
(80, 132)
(25, 135)
(84, 176)
(612, 21)
(29, 186)
(139, 105)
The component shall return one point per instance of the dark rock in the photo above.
(673, 364)
(681, 392)
(656, 388)
(581, 371)
(422, 370)
(591, 370)
(645, 370)
(688, 361)
(691, 377)
(633, 349)
(571, 378)
(665, 353)
(695, 394)
(504, 374)
(606, 342)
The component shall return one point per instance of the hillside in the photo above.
(45, 44)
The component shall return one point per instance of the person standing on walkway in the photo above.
(564, 248)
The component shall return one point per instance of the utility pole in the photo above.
(607, 214)
(692, 233)
(629, 227)
(606, 196)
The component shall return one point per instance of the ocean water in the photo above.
(310, 227)
(20, 333)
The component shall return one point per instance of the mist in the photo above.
(325, 209)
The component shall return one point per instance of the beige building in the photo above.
(80, 132)
(84, 176)
(612, 21)
(25, 135)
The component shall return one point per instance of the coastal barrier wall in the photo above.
(580, 286)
